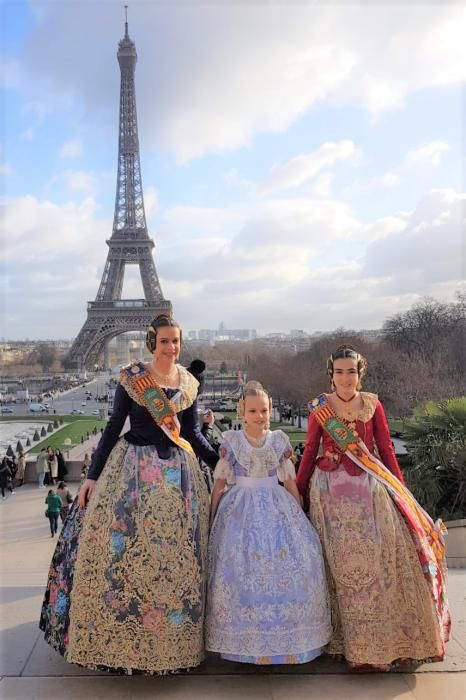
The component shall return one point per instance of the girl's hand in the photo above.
(85, 492)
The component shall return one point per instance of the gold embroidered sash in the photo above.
(153, 397)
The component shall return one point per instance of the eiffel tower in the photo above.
(110, 315)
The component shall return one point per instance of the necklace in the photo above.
(346, 400)
(173, 374)
(257, 441)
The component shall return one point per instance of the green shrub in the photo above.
(436, 442)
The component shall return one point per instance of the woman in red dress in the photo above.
(382, 607)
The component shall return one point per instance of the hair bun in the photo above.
(168, 317)
(253, 385)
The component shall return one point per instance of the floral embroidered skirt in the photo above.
(382, 610)
(267, 596)
(126, 586)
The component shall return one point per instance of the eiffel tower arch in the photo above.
(130, 244)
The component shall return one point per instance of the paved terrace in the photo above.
(32, 671)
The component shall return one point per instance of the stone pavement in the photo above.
(30, 670)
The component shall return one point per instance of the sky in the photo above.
(303, 164)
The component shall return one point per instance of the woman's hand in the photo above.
(85, 492)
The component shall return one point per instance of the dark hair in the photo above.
(161, 321)
(344, 352)
(196, 367)
(61, 485)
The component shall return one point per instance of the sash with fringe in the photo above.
(428, 536)
(153, 397)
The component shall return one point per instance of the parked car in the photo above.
(5, 409)
(76, 412)
(96, 412)
(37, 408)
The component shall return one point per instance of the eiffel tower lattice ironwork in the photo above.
(110, 315)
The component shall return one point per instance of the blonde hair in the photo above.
(252, 388)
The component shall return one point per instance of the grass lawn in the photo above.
(295, 435)
(73, 431)
(46, 418)
(396, 425)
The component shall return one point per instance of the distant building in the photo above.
(206, 334)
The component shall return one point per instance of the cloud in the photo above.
(77, 181)
(301, 168)
(429, 154)
(241, 70)
(268, 265)
(416, 159)
(427, 251)
(151, 201)
(322, 186)
(56, 253)
(71, 149)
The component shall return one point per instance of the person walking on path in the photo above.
(53, 509)
(126, 587)
(41, 467)
(66, 500)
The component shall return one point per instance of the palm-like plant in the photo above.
(436, 443)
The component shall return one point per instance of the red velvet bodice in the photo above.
(371, 426)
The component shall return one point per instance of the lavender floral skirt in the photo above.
(126, 585)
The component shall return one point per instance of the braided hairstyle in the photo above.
(344, 352)
(252, 388)
(161, 321)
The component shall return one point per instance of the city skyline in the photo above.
(308, 181)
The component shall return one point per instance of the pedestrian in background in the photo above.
(66, 499)
(5, 477)
(62, 469)
(86, 464)
(41, 467)
(53, 465)
(21, 469)
(53, 509)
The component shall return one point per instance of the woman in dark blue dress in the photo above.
(126, 586)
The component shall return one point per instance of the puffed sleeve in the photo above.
(121, 406)
(285, 468)
(308, 460)
(224, 468)
(384, 442)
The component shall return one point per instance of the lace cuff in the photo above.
(224, 470)
(285, 470)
